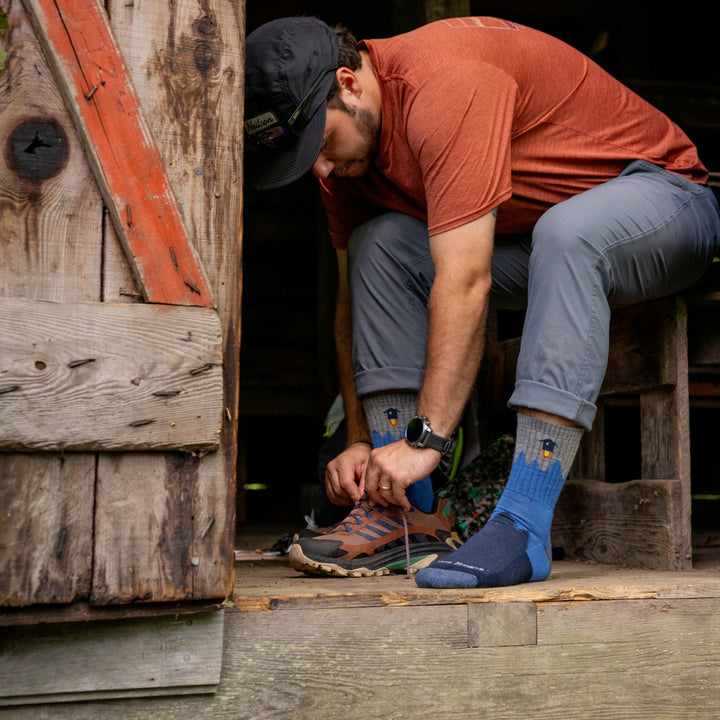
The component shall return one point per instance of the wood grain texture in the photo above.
(644, 346)
(46, 528)
(51, 248)
(61, 663)
(268, 586)
(611, 642)
(50, 230)
(502, 624)
(633, 523)
(644, 523)
(127, 164)
(58, 245)
(96, 376)
(635, 663)
(145, 533)
(186, 62)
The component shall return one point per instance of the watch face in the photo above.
(414, 429)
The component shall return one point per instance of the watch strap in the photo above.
(437, 442)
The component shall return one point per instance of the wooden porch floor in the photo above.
(592, 641)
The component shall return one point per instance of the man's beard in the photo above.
(369, 132)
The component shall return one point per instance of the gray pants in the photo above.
(646, 234)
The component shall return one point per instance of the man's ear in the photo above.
(348, 81)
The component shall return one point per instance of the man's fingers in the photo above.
(344, 476)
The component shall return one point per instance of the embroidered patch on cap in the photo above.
(257, 124)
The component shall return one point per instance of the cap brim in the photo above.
(269, 169)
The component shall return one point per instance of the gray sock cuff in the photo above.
(378, 411)
(546, 442)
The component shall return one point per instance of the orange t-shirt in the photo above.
(480, 112)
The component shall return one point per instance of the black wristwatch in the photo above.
(419, 434)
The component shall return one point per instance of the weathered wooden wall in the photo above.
(134, 526)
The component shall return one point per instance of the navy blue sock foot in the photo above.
(497, 556)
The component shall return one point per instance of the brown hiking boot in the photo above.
(372, 541)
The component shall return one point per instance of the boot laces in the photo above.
(362, 511)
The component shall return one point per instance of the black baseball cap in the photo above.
(289, 70)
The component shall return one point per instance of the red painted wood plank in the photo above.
(128, 166)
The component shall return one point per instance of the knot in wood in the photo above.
(37, 149)
(205, 56)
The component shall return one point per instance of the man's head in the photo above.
(292, 77)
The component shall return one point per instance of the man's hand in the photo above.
(344, 476)
(397, 466)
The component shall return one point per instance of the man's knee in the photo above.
(564, 232)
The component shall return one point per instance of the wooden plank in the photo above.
(186, 62)
(502, 624)
(665, 433)
(628, 621)
(61, 663)
(642, 350)
(45, 532)
(418, 665)
(50, 208)
(636, 678)
(127, 164)
(590, 460)
(648, 356)
(92, 376)
(80, 611)
(633, 523)
(665, 429)
(51, 217)
(665, 412)
(147, 541)
(272, 586)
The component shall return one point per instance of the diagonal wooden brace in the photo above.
(121, 150)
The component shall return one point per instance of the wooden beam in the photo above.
(127, 164)
(46, 529)
(103, 660)
(641, 523)
(644, 346)
(97, 376)
(502, 624)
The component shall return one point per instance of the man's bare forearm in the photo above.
(456, 342)
(357, 428)
(458, 314)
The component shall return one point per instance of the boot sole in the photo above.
(299, 561)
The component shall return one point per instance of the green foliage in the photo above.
(3, 28)
(475, 490)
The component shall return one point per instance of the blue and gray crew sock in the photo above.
(387, 415)
(514, 545)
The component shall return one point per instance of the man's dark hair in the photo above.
(348, 56)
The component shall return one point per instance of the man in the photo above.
(470, 161)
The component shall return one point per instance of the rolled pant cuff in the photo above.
(387, 379)
(545, 398)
